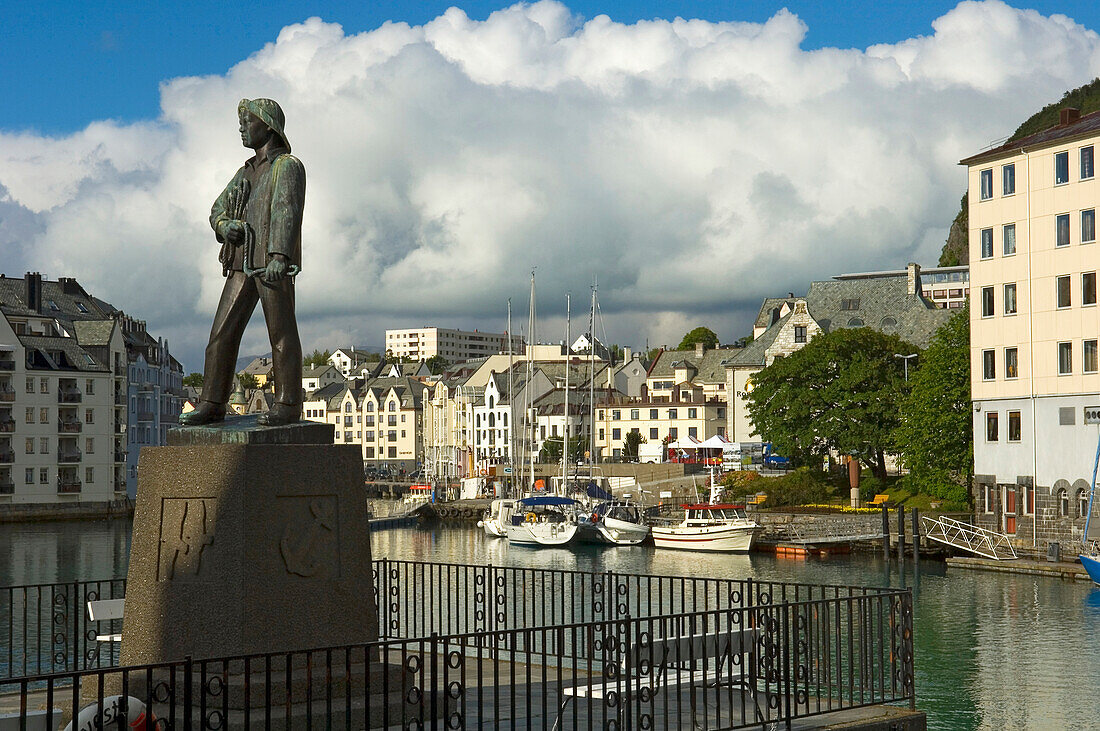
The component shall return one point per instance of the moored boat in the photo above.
(496, 518)
(543, 521)
(616, 523)
(709, 527)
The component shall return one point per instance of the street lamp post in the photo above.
(905, 360)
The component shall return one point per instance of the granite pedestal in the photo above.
(248, 540)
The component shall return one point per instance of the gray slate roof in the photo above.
(708, 369)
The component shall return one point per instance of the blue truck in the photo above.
(773, 461)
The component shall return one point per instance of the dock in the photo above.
(1060, 570)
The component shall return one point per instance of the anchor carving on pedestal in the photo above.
(300, 555)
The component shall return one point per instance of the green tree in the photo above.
(703, 335)
(936, 434)
(630, 446)
(841, 392)
(437, 364)
(316, 358)
(617, 353)
(248, 381)
(551, 450)
(194, 380)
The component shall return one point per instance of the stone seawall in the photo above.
(33, 512)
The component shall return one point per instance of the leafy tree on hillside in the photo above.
(956, 250)
(194, 380)
(437, 364)
(703, 335)
(1086, 98)
(936, 434)
(840, 392)
(316, 358)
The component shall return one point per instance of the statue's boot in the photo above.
(207, 412)
(280, 415)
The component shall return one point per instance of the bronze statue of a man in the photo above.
(258, 221)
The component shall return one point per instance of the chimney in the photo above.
(700, 348)
(33, 290)
(628, 353)
(912, 284)
(1069, 115)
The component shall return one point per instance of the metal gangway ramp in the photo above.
(833, 529)
(981, 541)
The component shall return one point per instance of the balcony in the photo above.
(145, 416)
(7, 426)
(120, 399)
(69, 457)
(7, 456)
(7, 487)
(7, 394)
(120, 485)
(69, 427)
(145, 387)
(120, 370)
(69, 396)
(68, 485)
(120, 456)
(7, 364)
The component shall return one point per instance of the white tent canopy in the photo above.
(715, 442)
(685, 443)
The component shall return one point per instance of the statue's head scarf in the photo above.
(269, 111)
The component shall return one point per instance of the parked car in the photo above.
(773, 461)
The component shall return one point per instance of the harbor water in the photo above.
(993, 650)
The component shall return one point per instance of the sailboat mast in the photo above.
(527, 386)
(511, 410)
(592, 378)
(565, 433)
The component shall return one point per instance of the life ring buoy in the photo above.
(95, 716)
(530, 518)
(483, 472)
(595, 517)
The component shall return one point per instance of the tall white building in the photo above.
(1034, 329)
(62, 394)
(456, 346)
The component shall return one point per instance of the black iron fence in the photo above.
(721, 669)
(495, 647)
(45, 627)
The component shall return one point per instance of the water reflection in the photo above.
(993, 650)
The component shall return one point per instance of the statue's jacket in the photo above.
(276, 199)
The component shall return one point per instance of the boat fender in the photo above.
(595, 517)
(530, 518)
(94, 717)
(481, 524)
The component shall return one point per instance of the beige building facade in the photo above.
(456, 346)
(1035, 328)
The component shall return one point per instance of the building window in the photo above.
(28, 475)
(28, 415)
(693, 413)
(991, 428)
(1013, 426)
(1061, 168)
(1082, 503)
(1063, 502)
(653, 432)
(601, 435)
(1029, 500)
(89, 474)
(616, 415)
(849, 304)
(616, 434)
(1089, 356)
(89, 387)
(653, 413)
(44, 385)
(986, 180)
(1010, 298)
(1086, 163)
(1065, 358)
(1009, 236)
(988, 501)
(44, 445)
(800, 333)
(672, 414)
(987, 301)
(1062, 291)
(673, 432)
(1088, 288)
(1008, 179)
(44, 475)
(28, 446)
(693, 432)
(1061, 229)
(369, 452)
(989, 365)
(89, 446)
(600, 415)
(89, 415)
(1088, 226)
(391, 452)
(987, 244)
(1012, 369)
(634, 414)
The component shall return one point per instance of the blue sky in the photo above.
(68, 63)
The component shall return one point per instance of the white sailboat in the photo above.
(497, 517)
(543, 520)
(615, 523)
(709, 526)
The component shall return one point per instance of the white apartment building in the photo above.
(455, 346)
(1035, 326)
(62, 395)
(695, 416)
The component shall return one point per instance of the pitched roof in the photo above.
(1088, 124)
(708, 369)
(58, 353)
(768, 311)
(316, 371)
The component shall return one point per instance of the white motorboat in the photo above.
(497, 517)
(543, 521)
(709, 527)
(618, 523)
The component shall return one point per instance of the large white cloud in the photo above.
(694, 167)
